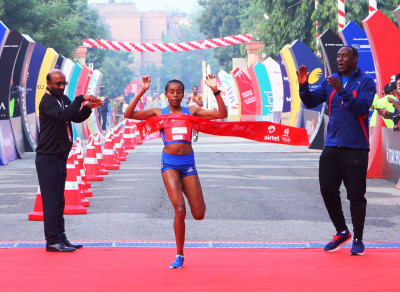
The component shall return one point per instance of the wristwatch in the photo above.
(217, 92)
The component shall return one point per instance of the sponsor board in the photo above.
(275, 78)
(285, 117)
(231, 93)
(8, 58)
(4, 31)
(391, 154)
(354, 36)
(330, 44)
(387, 63)
(246, 94)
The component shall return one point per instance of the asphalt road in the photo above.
(253, 191)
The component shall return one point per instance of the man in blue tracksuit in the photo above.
(349, 95)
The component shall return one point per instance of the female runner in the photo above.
(178, 166)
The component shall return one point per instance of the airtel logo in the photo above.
(271, 129)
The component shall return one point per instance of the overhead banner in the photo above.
(247, 97)
(275, 78)
(386, 55)
(287, 99)
(262, 87)
(8, 151)
(354, 36)
(330, 44)
(258, 131)
(32, 80)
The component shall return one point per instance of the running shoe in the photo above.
(338, 240)
(178, 263)
(357, 248)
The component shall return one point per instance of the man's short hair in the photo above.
(388, 88)
(354, 50)
(397, 77)
(194, 86)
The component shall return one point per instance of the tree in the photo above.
(289, 20)
(116, 73)
(220, 18)
(59, 24)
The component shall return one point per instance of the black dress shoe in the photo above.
(59, 247)
(69, 244)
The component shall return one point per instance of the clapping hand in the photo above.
(146, 81)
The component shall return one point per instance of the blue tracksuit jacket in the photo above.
(348, 109)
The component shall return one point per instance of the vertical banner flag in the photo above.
(247, 97)
(262, 85)
(275, 77)
(287, 99)
(8, 151)
(231, 94)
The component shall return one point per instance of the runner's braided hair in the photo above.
(174, 81)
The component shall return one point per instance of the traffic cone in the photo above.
(85, 185)
(118, 144)
(138, 136)
(74, 170)
(72, 193)
(109, 159)
(90, 163)
(129, 134)
(398, 184)
(37, 214)
(99, 155)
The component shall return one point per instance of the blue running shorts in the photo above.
(185, 164)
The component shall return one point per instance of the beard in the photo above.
(57, 92)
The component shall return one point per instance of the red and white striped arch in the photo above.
(168, 47)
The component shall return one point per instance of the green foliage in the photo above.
(59, 24)
(220, 18)
(116, 73)
(290, 20)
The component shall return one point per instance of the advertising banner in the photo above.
(330, 44)
(32, 79)
(384, 38)
(48, 63)
(94, 84)
(4, 31)
(231, 94)
(262, 84)
(302, 55)
(24, 139)
(390, 154)
(397, 15)
(72, 88)
(8, 151)
(295, 120)
(275, 78)
(247, 97)
(354, 36)
(60, 63)
(287, 99)
(68, 68)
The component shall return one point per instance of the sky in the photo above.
(158, 5)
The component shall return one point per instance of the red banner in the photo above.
(258, 131)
